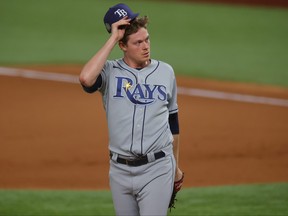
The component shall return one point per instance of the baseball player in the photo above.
(140, 99)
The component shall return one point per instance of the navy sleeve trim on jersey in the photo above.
(95, 86)
(174, 123)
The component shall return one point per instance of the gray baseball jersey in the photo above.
(137, 105)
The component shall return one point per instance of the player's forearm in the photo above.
(176, 148)
(94, 66)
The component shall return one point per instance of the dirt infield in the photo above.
(53, 135)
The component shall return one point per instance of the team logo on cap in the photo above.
(121, 12)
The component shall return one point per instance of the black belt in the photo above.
(138, 161)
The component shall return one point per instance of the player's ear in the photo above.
(122, 46)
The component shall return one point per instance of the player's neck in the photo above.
(136, 65)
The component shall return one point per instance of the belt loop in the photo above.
(151, 157)
(114, 156)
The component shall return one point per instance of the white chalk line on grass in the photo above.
(232, 96)
(31, 74)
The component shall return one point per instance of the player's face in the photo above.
(137, 49)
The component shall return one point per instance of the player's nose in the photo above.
(146, 45)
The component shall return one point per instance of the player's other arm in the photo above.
(174, 127)
(94, 66)
(176, 147)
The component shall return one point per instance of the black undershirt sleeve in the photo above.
(95, 86)
(174, 123)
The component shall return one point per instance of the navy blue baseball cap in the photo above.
(116, 13)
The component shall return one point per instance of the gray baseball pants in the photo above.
(142, 190)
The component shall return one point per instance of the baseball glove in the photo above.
(176, 189)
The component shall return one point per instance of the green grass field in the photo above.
(211, 41)
(249, 200)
